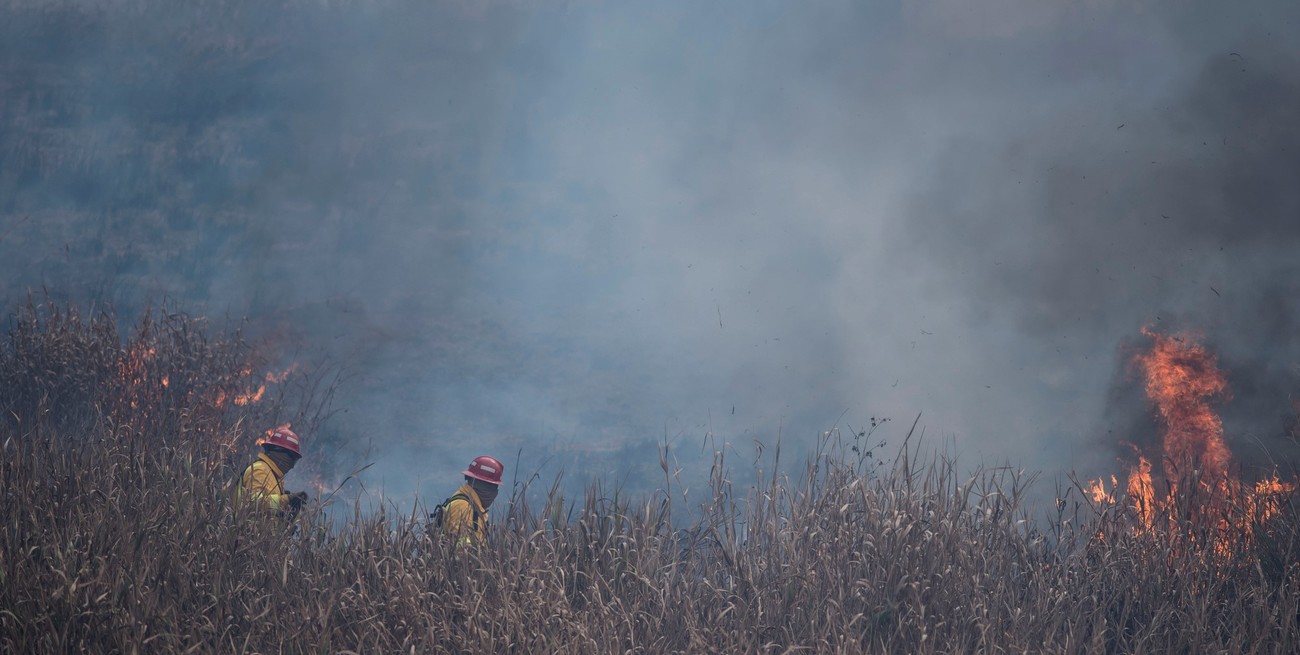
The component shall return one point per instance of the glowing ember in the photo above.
(134, 368)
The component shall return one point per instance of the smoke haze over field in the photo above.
(578, 228)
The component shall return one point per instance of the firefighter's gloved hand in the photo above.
(297, 500)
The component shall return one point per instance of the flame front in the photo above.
(1201, 505)
(1181, 379)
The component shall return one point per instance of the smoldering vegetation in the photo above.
(144, 146)
(346, 174)
(120, 536)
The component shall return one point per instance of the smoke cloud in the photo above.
(1177, 215)
(563, 233)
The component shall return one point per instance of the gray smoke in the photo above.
(1182, 215)
(562, 233)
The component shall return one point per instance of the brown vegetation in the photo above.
(119, 536)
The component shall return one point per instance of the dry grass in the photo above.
(119, 537)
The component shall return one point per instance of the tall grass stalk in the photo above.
(120, 536)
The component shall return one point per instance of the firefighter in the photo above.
(263, 480)
(463, 516)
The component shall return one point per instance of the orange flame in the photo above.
(1267, 499)
(250, 397)
(1141, 492)
(270, 431)
(1181, 378)
(133, 367)
(272, 377)
(1097, 491)
(253, 396)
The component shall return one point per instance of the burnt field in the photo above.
(119, 446)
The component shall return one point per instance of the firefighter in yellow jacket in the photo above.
(263, 480)
(464, 515)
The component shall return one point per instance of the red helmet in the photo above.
(284, 438)
(485, 468)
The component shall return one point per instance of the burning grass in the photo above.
(1191, 498)
(119, 536)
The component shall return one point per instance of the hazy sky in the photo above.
(578, 227)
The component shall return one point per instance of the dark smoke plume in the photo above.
(1186, 217)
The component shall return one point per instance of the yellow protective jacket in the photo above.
(263, 482)
(464, 518)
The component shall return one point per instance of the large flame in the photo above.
(1182, 378)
